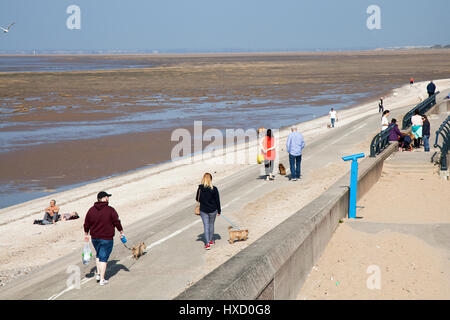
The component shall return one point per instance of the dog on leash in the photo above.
(328, 125)
(138, 250)
(282, 169)
(237, 235)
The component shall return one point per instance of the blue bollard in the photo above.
(353, 183)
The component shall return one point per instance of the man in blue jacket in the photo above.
(294, 146)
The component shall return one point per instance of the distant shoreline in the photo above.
(201, 53)
(111, 60)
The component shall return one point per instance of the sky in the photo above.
(212, 25)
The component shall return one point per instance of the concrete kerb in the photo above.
(276, 265)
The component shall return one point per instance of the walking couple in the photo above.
(294, 146)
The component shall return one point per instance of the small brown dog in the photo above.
(138, 250)
(237, 234)
(328, 125)
(282, 169)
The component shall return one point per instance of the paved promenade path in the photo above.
(175, 256)
(402, 235)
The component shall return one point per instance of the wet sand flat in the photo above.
(84, 125)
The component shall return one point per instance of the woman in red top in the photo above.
(268, 147)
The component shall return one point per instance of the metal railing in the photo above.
(423, 107)
(444, 131)
(380, 142)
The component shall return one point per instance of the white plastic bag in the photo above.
(87, 253)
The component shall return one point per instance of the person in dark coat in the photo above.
(100, 222)
(426, 133)
(394, 133)
(431, 89)
(208, 196)
(405, 142)
(380, 106)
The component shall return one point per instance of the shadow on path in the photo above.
(112, 269)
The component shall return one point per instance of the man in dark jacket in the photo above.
(100, 221)
(380, 106)
(431, 89)
(426, 133)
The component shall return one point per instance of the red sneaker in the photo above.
(207, 247)
(212, 243)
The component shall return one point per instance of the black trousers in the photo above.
(417, 142)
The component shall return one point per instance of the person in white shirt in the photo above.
(384, 120)
(417, 124)
(333, 117)
(416, 119)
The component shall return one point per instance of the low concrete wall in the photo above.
(441, 107)
(276, 265)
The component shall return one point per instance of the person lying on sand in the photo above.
(69, 216)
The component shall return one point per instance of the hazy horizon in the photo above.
(202, 26)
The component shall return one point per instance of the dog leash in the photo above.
(230, 222)
(123, 242)
(125, 246)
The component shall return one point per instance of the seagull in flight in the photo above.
(5, 30)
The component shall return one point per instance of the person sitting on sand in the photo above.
(51, 213)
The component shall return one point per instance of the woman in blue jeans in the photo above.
(209, 199)
(426, 133)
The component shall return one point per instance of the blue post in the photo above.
(353, 183)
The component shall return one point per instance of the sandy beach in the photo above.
(95, 124)
(143, 193)
(401, 237)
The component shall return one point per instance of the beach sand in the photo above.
(402, 215)
(145, 192)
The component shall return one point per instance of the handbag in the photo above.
(197, 207)
(259, 158)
